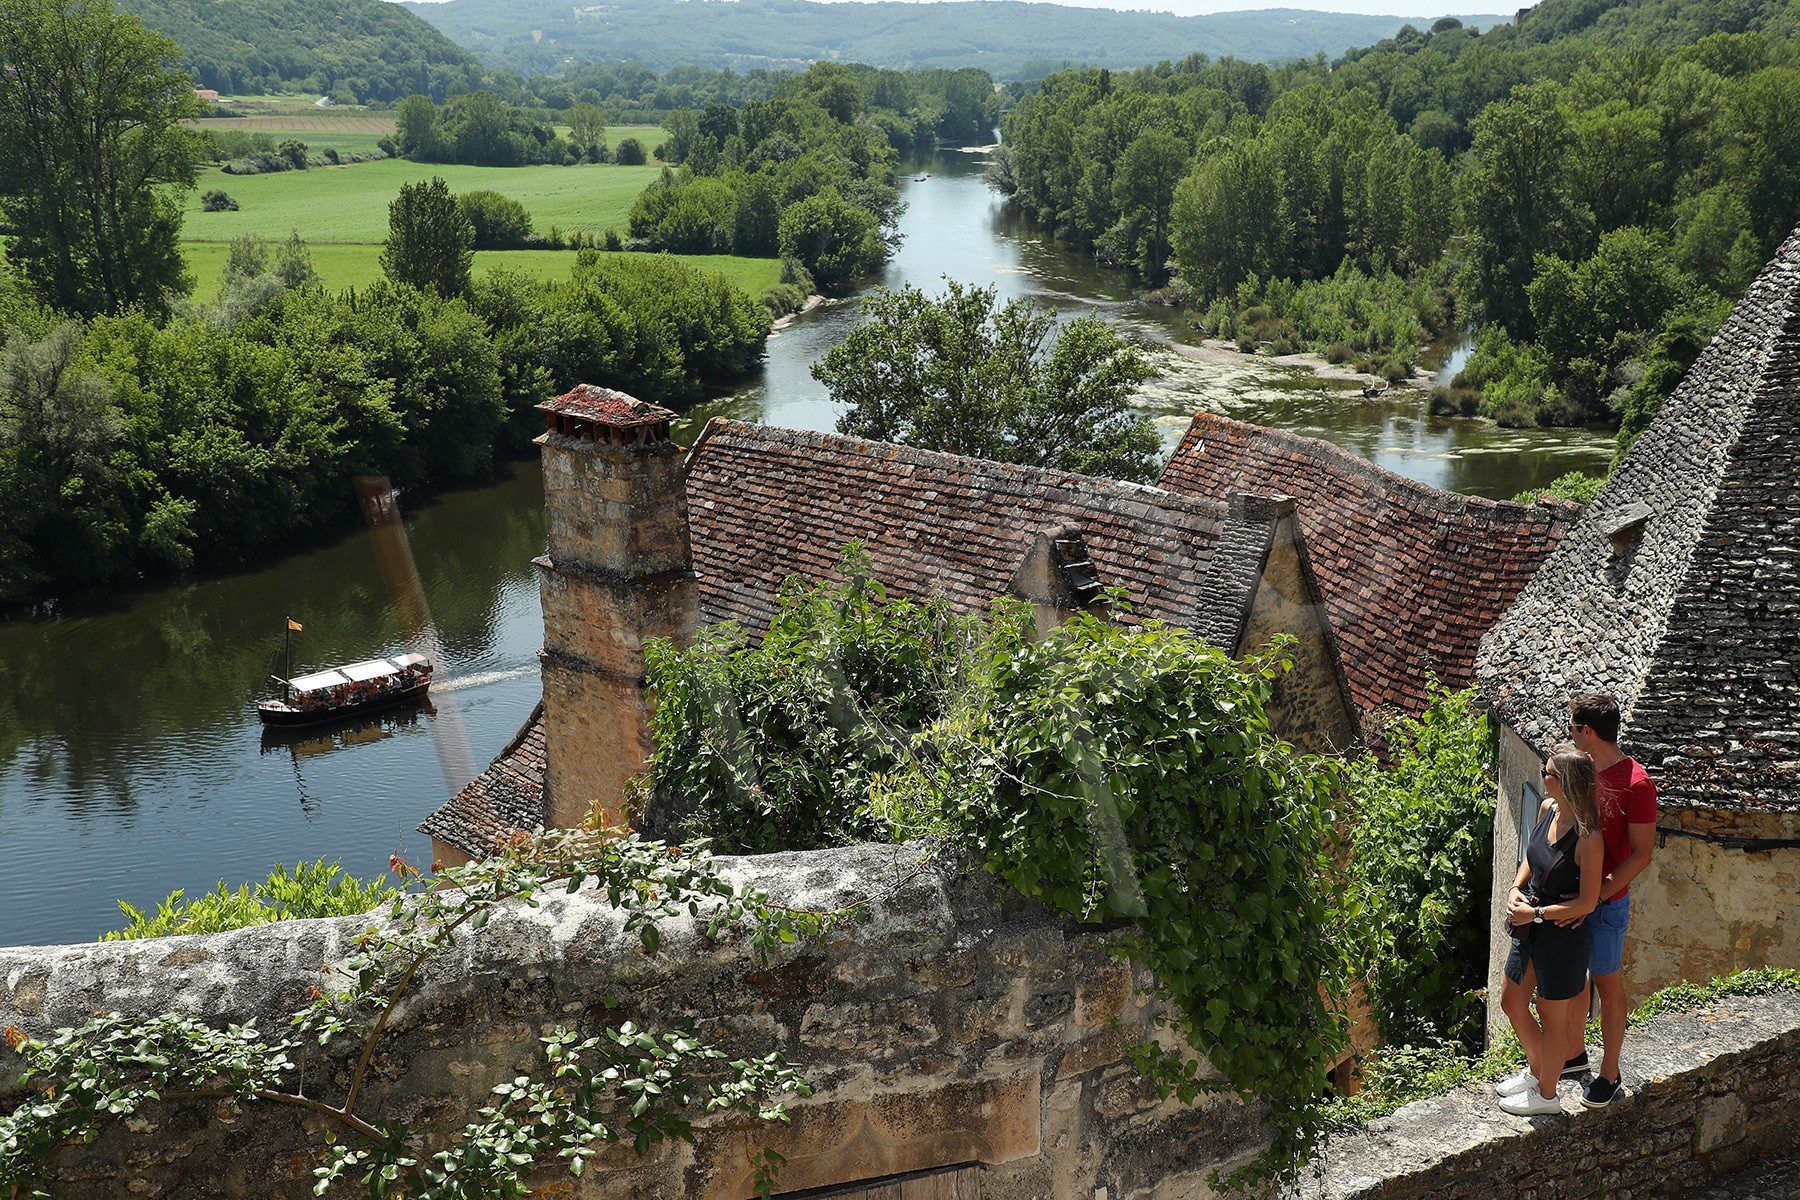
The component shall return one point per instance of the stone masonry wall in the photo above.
(953, 1027)
(1708, 1092)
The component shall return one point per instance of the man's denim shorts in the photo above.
(1608, 923)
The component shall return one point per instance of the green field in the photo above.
(342, 266)
(350, 204)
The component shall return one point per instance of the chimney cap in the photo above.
(1257, 506)
(606, 408)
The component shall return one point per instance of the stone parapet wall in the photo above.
(1710, 1091)
(954, 1027)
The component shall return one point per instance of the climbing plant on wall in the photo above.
(1113, 771)
(617, 1084)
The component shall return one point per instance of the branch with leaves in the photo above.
(620, 1085)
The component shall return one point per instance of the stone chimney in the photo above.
(619, 572)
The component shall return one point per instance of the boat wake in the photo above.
(483, 679)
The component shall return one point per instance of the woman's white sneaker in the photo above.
(1530, 1104)
(1519, 1081)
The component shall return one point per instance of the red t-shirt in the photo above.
(1627, 797)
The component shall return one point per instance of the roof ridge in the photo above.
(1350, 463)
(920, 456)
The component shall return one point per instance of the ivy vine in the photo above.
(619, 1085)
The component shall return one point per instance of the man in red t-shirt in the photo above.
(1628, 831)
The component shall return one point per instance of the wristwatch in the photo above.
(1539, 919)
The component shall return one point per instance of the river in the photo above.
(132, 764)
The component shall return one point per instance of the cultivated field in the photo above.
(350, 204)
(342, 266)
(358, 133)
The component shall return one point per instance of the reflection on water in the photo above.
(131, 760)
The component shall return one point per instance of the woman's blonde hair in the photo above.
(1580, 785)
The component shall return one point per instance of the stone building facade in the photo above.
(1678, 591)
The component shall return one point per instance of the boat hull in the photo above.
(276, 714)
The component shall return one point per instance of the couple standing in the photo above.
(1569, 907)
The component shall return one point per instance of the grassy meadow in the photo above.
(350, 203)
(344, 266)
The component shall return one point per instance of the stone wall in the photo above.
(955, 1027)
(1709, 1092)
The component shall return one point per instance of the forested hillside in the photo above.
(1592, 188)
(1004, 37)
(359, 50)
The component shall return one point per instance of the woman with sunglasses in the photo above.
(1562, 864)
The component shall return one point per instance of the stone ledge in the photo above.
(1694, 1081)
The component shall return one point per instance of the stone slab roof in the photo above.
(606, 406)
(1411, 576)
(766, 504)
(1678, 591)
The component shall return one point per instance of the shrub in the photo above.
(499, 222)
(315, 889)
(630, 153)
(1576, 486)
(1420, 849)
(686, 214)
(1337, 353)
(217, 201)
(294, 152)
(835, 240)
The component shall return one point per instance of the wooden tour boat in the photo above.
(343, 691)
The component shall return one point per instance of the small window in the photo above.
(1531, 796)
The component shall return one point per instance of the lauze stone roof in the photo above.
(1678, 591)
(1411, 576)
(767, 504)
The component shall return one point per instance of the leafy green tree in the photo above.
(257, 274)
(1144, 186)
(834, 239)
(93, 155)
(629, 153)
(756, 225)
(961, 375)
(1518, 199)
(416, 123)
(430, 242)
(499, 222)
(686, 214)
(587, 128)
(1223, 229)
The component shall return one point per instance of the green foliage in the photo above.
(1594, 191)
(1577, 487)
(93, 156)
(834, 239)
(630, 153)
(686, 214)
(480, 129)
(1114, 772)
(359, 50)
(1753, 981)
(499, 222)
(430, 240)
(312, 889)
(619, 1084)
(960, 374)
(1421, 842)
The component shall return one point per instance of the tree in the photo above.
(587, 128)
(93, 156)
(1517, 199)
(960, 375)
(629, 153)
(834, 239)
(430, 241)
(1144, 186)
(1223, 220)
(499, 222)
(416, 122)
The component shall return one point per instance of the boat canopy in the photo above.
(362, 672)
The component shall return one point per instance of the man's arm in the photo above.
(1643, 844)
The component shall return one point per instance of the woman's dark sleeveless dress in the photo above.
(1560, 955)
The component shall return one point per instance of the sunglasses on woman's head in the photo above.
(1549, 774)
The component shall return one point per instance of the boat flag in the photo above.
(293, 625)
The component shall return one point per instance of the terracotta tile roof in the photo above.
(1412, 576)
(765, 504)
(1678, 591)
(504, 799)
(604, 406)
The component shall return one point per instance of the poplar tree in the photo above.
(430, 242)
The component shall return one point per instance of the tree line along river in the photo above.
(132, 762)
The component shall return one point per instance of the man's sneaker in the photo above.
(1600, 1091)
(1530, 1104)
(1576, 1067)
(1519, 1081)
